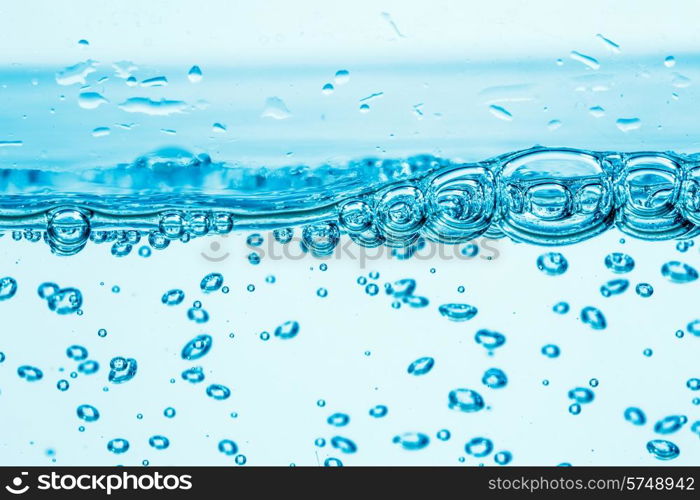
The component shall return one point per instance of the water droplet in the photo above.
(628, 124)
(118, 446)
(501, 113)
(597, 111)
(421, 366)
(342, 76)
(343, 444)
(197, 315)
(122, 369)
(489, 339)
(211, 282)
(648, 352)
(478, 447)
(581, 395)
(88, 413)
(614, 287)
(575, 408)
(101, 131)
(254, 240)
(30, 373)
(147, 106)
(254, 258)
(287, 330)
(159, 442)
(121, 249)
(275, 108)
(338, 419)
(197, 348)
(561, 308)
(458, 312)
(670, 61)
(321, 238)
(327, 89)
(372, 289)
(465, 400)
(44, 291)
(553, 125)
(194, 75)
(218, 391)
(403, 288)
(241, 459)
(283, 235)
(65, 301)
(503, 457)
(173, 297)
(77, 353)
(593, 317)
(156, 81)
(619, 263)
(470, 250)
(378, 411)
(614, 47)
(228, 447)
(332, 462)
(88, 367)
(412, 441)
(589, 61)
(91, 100)
(551, 351)
(644, 290)
(494, 378)
(8, 288)
(443, 435)
(552, 263)
(193, 375)
(678, 272)
(169, 412)
(219, 128)
(76, 73)
(693, 384)
(662, 449)
(680, 81)
(62, 385)
(694, 327)
(670, 424)
(635, 416)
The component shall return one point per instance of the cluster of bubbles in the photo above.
(556, 264)
(322, 238)
(542, 196)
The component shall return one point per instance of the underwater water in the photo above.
(452, 264)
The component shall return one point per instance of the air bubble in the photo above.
(552, 263)
(458, 312)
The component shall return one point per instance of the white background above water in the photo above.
(449, 60)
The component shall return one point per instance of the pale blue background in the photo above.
(455, 58)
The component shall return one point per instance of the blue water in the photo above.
(356, 266)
